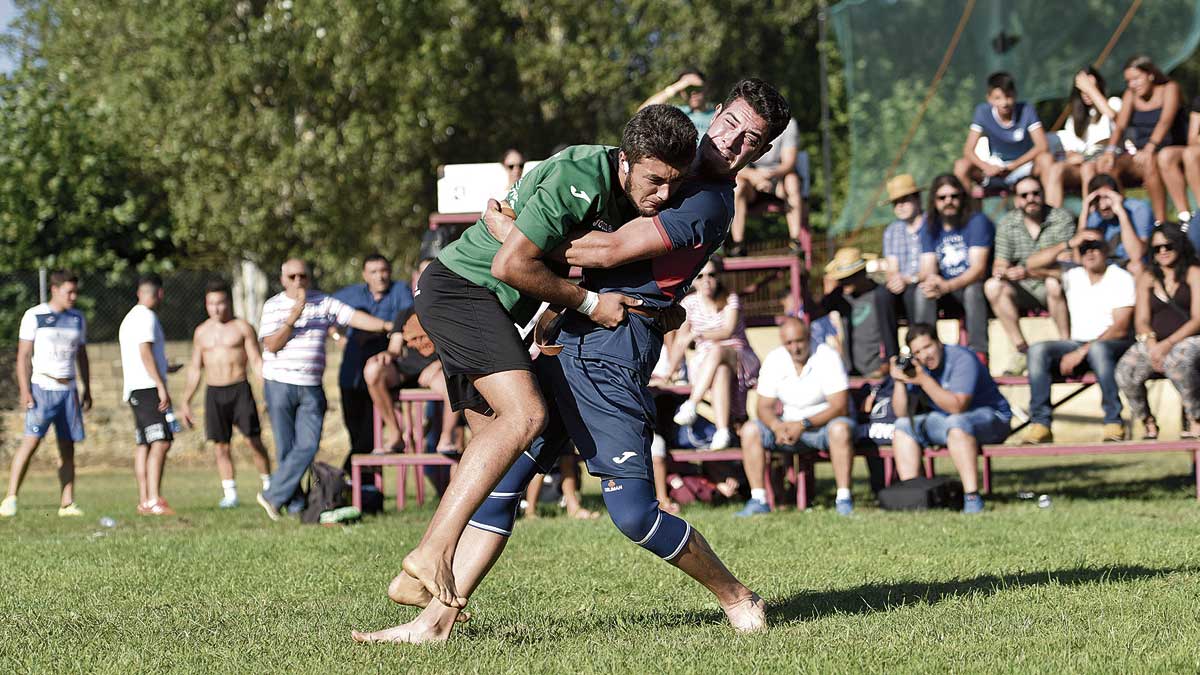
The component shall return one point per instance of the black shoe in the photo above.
(735, 250)
(796, 246)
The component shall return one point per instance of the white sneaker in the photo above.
(8, 507)
(720, 440)
(686, 415)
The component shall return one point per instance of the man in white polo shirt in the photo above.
(812, 386)
(51, 340)
(293, 327)
(144, 364)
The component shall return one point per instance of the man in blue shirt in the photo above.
(955, 247)
(1126, 224)
(383, 298)
(966, 409)
(1017, 145)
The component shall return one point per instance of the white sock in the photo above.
(758, 493)
(230, 489)
(843, 493)
(266, 481)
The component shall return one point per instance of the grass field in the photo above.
(1106, 580)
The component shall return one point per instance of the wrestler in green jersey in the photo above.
(576, 187)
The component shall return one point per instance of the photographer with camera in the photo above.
(965, 408)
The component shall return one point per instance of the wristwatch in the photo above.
(1146, 337)
(805, 423)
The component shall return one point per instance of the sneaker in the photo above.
(158, 507)
(973, 504)
(686, 415)
(228, 503)
(753, 507)
(1036, 434)
(8, 507)
(1017, 366)
(844, 506)
(272, 512)
(69, 511)
(1114, 433)
(720, 440)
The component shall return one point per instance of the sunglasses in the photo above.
(1163, 248)
(1031, 193)
(510, 167)
(294, 277)
(1088, 246)
(949, 197)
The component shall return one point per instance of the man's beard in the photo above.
(629, 195)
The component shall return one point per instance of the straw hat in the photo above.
(901, 186)
(846, 263)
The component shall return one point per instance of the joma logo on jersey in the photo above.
(599, 224)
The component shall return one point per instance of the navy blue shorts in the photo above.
(604, 408)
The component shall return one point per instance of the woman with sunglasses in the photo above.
(1167, 321)
(724, 362)
(514, 166)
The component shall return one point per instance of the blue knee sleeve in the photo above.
(499, 511)
(634, 510)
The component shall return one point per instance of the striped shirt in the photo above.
(302, 359)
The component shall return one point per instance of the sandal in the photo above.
(1151, 429)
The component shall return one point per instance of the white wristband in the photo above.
(589, 303)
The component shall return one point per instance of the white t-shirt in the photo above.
(139, 326)
(1091, 305)
(56, 338)
(1093, 136)
(806, 393)
(301, 360)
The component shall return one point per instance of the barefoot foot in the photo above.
(747, 615)
(405, 590)
(436, 575)
(407, 633)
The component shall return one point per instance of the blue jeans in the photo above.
(1102, 357)
(816, 439)
(985, 424)
(297, 415)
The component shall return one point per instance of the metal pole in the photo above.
(42, 284)
(826, 143)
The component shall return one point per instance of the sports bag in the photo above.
(327, 490)
(921, 493)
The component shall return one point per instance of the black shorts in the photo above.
(149, 425)
(410, 366)
(224, 407)
(471, 330)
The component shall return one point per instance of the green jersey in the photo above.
(577, 187)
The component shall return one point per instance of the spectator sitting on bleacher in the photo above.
(865, 311)
(1167, 322)
(725, 367)
(902, 242)
(812, 387)
(772, 175)
(1084, 137)
(966, 409)
(1124, 223)
(1100, 299)
(697, 107)
(514, 167)
(955, 247)
(1017, 143)
(1031, 226)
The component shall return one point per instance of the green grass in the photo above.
(1104, 581)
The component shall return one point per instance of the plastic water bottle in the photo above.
(107, 522)
(1044, 501)
(172, 422)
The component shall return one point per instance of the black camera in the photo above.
(907, 365)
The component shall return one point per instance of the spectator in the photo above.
(690, 85)
(294, 325)
(1100, 299)
(966, 409)
(1124, 223)
(902, 242)
(223, 346)
(955, 246)
(568, 465)
(1191, 166)
(1167, 321)
(866, 314)
(812, 387)
(1083, 139)
(384, 298)
(52, 337)
(724, 363)
(1151, 113)
(772, 175)
(144, 363)
(1031, 226)
(514, 166)
(1016, 142)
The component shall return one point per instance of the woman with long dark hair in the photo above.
(1084, 137)
(1167, 321)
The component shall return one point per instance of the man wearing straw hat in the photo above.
(902, 241)
(866, 313)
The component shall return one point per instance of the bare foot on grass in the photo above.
(747, 615)
(436, 575)
(413, 633)
(405, 590)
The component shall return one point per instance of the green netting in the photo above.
(892, 50)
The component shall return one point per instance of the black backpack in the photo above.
(327, 490)
(921, 493)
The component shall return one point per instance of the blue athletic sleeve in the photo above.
(980, 231)
(700, 217)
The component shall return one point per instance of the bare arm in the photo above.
(1040, 145)
(275, 341)
(85, 375)
(25, 371)
(195, 365)
(977, 256)
(928, 267)
(1135, 248)
(363, 321)
(636, 240)
(1170, 108)
(672, 90)
(1192, 326)
(1194, 128)
(729, 320)
(951, 402)
(146, 351)
(1141, 308)
(250, 344)
(683, 338)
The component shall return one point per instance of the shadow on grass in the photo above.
(870, 598)
(1061, 480)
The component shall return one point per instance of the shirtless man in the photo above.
(223, 345)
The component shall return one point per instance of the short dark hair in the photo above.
(1002, 81)
(150, 279)
(1103, 180)
(60, 277)
(692, 71)
(766, 101)
(1032, 178)
(916, 330)
(218, 286)
(662, 132)
(377, 257)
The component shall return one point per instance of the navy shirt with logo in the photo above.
(951, 246)
(1010, 141)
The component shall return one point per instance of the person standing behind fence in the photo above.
(222, 346)
(384, 298)
(144, 363)
(294, 325)
(51, 339)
